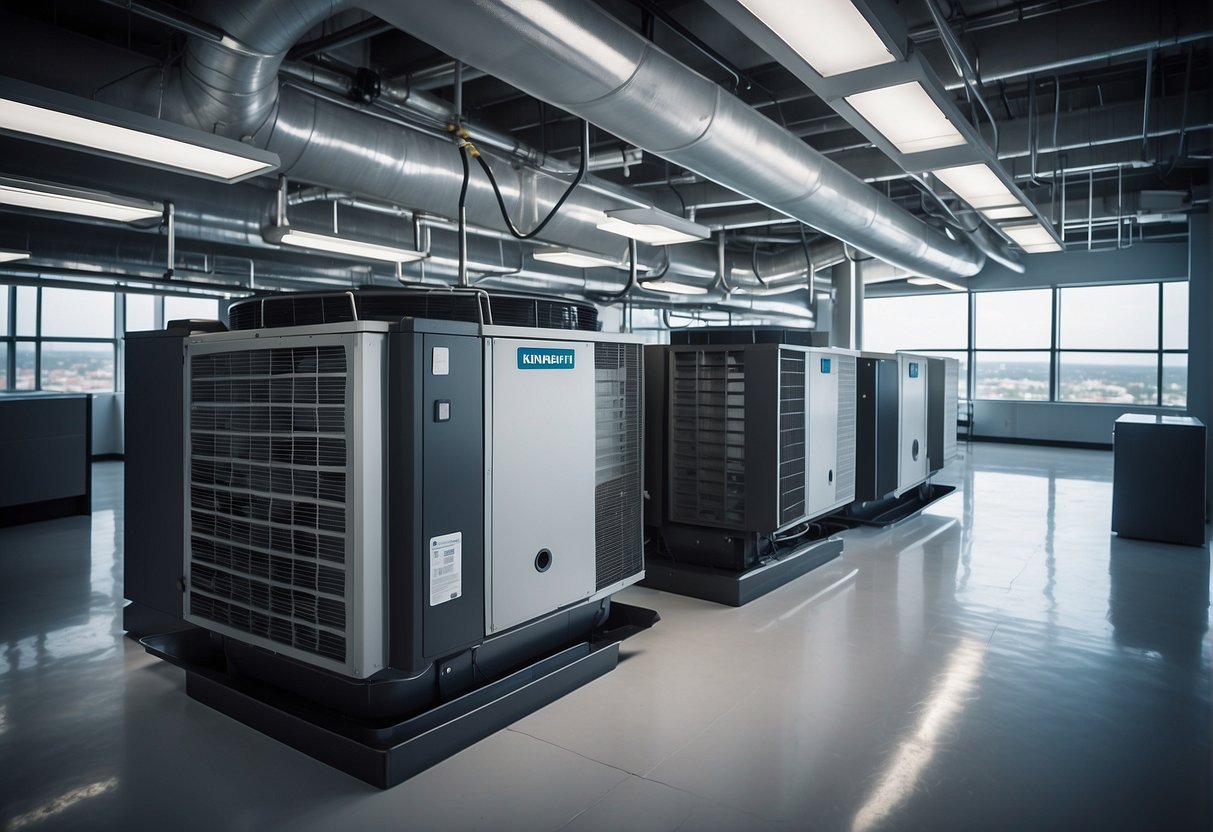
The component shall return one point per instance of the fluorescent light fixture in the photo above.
(1009, 212)
(287, 236)
(1032, 238)
(935, 281)
(50, 116)
(576, 258)
(8, 255)
(832, 35)
(674, 287)
(648, 225)
(44, 196)
(907, 116)
(977, 185)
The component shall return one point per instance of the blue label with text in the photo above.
(537, 358)
(825, 365)
(913, 369)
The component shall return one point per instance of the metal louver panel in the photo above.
(847, 427)
(618, 524)
(707, 432)
(792, 443)
(273, 548)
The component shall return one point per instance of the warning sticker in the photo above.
(446, 563)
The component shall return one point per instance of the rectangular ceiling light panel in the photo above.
(573, 257)
(42, 196)
(1009, 212)
(907, 116)
(8, 255)
(1032, 238)
(831, 35)
(51, 116)
(648, 225)
(287, 236)
(977, 185)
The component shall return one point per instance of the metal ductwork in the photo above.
(621, 82)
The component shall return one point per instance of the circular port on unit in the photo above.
(543, 560)
(914, 450)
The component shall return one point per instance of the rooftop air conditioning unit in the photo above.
(371, 496)
(943, 409)
(748, 442)
(892, 449)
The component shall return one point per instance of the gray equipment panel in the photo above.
(542, 471)
(912, 422)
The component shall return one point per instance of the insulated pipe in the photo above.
(578, 57)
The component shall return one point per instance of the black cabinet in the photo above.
(45, 448)
(1158, 478)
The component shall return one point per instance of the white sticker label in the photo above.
(442, 361)
(446, 563)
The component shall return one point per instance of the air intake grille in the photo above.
(847, 412)
(707, 431)
(268, 494)
(618, 535)
(951, 408)
(791, 435)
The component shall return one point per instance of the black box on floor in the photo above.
(1158, 478)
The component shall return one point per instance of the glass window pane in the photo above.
(1174, 317)
(1110, 317)
(77, 368)
(25, 367)
(77, 313)
(963, 358)
(1117, 378)
(27, 310)
(1012, 375)
(1175, 380)
(3, 310)
(179, 309)
(1014, 320)
(140, 313)
(916, 322)
(3, 366)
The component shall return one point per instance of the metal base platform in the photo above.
(893, 510)
(385, 754)
(724, 586)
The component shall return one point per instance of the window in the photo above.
(3, 317)
(921, 323)
(27, 310)
(77, 367)
(77, 313)
(25, 378)
(3, 361)
(1012, 335)
(140, 313)
(1112, 341)
(179, 308)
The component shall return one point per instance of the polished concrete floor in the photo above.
(1001, 662)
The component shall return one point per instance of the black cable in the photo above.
(505, 214)
(467, 174)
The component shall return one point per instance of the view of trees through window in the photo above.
(67, 340)
(1115, 344)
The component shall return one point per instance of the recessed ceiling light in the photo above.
(1032, 238)
(907, 116)
(46, 196)
(831, 35)
(648, 225)
(576, 258)
(287, 236)
(977, 185)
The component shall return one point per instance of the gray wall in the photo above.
(1050, 421)
(1200, 334)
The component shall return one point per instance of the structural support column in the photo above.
(846, 329)
(1200, 334)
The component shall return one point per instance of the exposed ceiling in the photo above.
(1101, 110)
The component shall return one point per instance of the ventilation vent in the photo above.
(791, 435)
(505, 309)
(618, 533)
(847, 413)
(707, 430)
(269, 455)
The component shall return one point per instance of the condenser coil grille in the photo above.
(618, 534)
(707, 413)
(791, 435)
(269, 456)
(847, 426)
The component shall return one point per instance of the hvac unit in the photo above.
(382, 511)
(748, 442)
(943, 394)
(891, 450)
